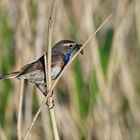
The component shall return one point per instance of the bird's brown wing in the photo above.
(26, 72)
(31, 68)
(35, 72)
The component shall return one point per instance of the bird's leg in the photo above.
(38, 86)
(45, 90)
(49, 102)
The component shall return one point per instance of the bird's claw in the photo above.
(50, 102)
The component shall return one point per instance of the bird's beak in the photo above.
(78, 46)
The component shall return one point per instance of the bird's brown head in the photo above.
(67, 46)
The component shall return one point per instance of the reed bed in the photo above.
(97, 97)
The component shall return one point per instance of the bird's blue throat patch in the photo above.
(67, 56)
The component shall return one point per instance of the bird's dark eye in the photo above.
(70, 45)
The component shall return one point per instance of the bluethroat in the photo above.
(35, 71)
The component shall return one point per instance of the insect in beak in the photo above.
(78, 46)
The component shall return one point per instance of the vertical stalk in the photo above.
(48, 70)
(19, 131)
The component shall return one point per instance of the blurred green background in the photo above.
(98, 97)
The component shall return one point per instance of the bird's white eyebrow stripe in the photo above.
(67, 44)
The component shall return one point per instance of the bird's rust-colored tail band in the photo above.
(10, 75)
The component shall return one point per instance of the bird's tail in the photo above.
(10, 75)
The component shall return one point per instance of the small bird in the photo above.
(35, 71)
